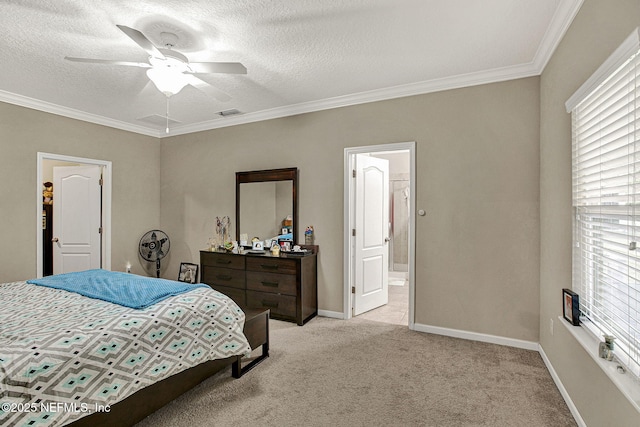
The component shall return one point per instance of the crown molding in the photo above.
(419, 88)
(562, 19)
(412, 89)
(48, 107)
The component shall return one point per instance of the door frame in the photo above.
(106, 205)
(349, 220)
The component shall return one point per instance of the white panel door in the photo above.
(76, 218)
(372, 233)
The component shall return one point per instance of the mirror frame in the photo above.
(284, 174)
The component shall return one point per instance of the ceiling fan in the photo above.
(168, 69)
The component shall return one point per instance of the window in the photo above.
(605, 116)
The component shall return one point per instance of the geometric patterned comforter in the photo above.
(64, 356)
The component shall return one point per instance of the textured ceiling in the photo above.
(301, 55)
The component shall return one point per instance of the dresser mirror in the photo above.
(263, 199)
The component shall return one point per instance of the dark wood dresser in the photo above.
(286, 284)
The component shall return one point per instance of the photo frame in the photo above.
(571, 307)
(188, 272)
(285, 246)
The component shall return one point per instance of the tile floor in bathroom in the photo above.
(396, 311)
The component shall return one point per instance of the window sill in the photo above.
(627, 383)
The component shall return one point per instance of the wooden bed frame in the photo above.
(151, 398)
(148, 400)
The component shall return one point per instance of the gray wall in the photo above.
(598, 29)
(136, 176)
(477, 254)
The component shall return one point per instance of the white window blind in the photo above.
(606, 202)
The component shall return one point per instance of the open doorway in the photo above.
(400, 233)
(46, 162)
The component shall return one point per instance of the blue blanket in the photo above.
(125, 289)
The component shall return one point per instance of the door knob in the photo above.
(387, 240)
(54, 240)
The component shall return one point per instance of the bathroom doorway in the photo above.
(400, 233)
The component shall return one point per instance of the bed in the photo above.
(66, 357)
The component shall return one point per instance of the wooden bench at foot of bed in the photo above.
(151, 398)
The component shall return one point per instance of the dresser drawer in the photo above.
(280, 305)
(215, 259)
(237, 295)
(272, 265)
(223, 277)
(271, 282)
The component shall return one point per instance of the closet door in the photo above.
(76, 218)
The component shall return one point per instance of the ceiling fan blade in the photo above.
(218, 67)
(206, 88)
(108, 62)
(142, 41)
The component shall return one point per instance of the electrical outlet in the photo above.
(551, 326)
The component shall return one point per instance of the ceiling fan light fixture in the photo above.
(167, 80)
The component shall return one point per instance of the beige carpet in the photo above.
(364, 373)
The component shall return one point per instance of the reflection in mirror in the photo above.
(263, 200)
(263, 207)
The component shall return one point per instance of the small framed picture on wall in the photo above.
(571, 307)
(188, 272)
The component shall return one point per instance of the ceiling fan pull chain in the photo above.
(167, 116)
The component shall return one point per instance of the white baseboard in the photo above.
(474, 336)
(563, 391)
(332, 314)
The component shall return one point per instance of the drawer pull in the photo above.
(270, 284)
(223, 277)
(223, 261)
(269, 304)
(269, 266)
